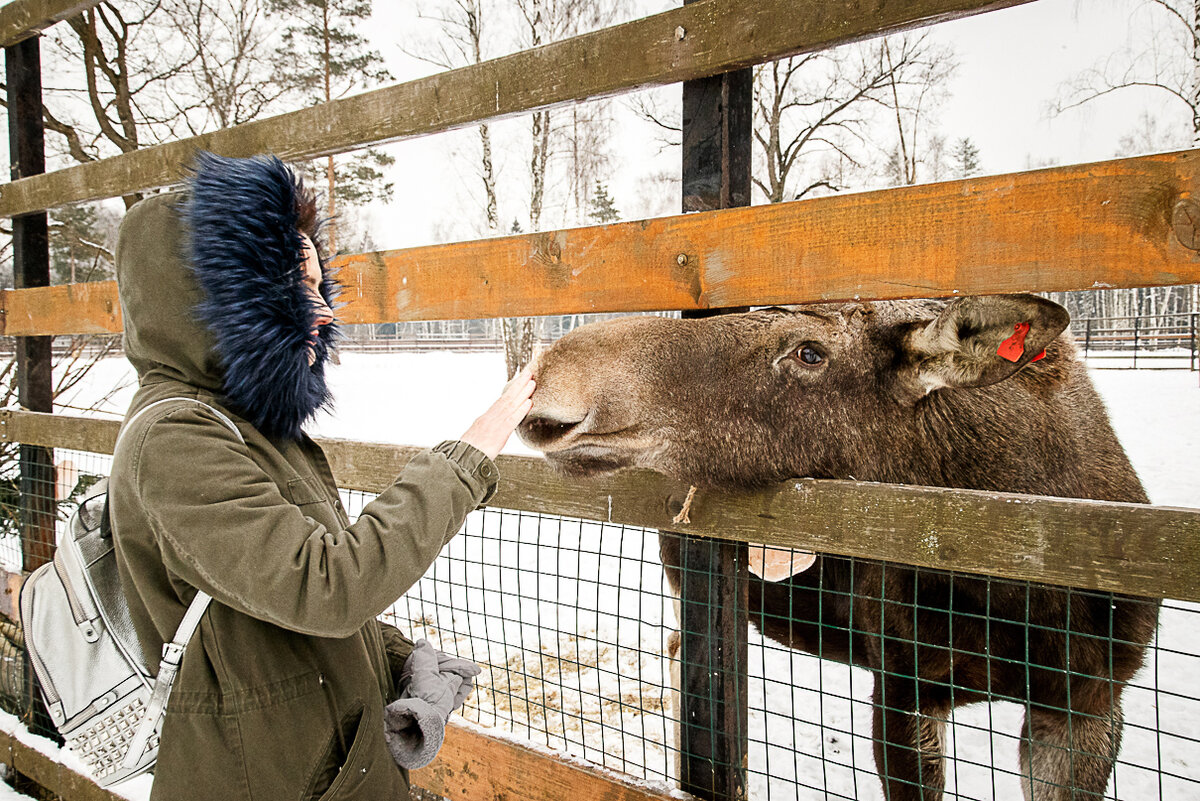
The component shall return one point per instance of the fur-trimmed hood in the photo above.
(211, 292)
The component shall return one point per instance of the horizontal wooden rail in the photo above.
(477, 767)
(60, 781)
(1132, 548)
(1096, 225)
(24, 18)
(472, 765)
(703, 38)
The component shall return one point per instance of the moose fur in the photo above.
(902, 392)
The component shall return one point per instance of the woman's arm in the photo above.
(224, 527)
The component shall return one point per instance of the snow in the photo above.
(570, 618)
(136, 789)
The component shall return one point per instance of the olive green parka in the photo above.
(281, 690)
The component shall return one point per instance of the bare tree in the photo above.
(1166, 60)
(914, 93)
(809, 106)
(136, 74)
(124, 58)
(230, 65)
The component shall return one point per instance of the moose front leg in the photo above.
(909, 740)
(1069, 756)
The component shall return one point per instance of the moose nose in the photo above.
(540, 430)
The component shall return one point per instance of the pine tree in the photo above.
(324, 56)
(77, 245)
(603, 210)
(966, 158)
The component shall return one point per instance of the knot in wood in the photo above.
(1185, 221)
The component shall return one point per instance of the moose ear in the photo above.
(979, 341)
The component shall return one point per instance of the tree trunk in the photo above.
(1195, 73)
(489, 180)
(331, 207)
(517, 333)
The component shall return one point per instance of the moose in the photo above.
(975, 393)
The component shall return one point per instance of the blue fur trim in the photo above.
(247, 256)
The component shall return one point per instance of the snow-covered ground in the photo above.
(569, 616)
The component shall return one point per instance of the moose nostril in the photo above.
(538, 430)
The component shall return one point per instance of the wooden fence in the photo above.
(1115, 224)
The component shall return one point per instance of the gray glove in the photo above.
(432, 685)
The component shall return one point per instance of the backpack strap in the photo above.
(224, 418)
(105, 521)
(172, 655)
(168, 669)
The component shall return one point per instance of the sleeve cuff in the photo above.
(475, 463)
(414, 732)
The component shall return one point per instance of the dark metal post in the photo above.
(1135, 341)
(714, 618)
(1087, 338)
(1192, 342)
(31, 268)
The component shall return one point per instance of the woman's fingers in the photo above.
(491, 431)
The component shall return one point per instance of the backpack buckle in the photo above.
(172, 653)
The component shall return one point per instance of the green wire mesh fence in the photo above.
(573, 621)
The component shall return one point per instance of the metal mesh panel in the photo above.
(572, 621)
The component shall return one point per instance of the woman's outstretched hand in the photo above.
(495, 426)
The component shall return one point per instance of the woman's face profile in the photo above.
(312, 284)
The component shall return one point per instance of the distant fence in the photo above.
(1163, 341)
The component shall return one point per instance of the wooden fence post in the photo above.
(31, 268)
(714, 619)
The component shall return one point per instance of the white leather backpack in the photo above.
(83, 647)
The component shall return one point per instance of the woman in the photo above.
(281, 691)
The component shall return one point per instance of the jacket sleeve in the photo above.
(224, 527)
(398, 648)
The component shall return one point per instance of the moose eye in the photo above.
(809, 355)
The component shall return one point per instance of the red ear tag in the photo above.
(1041, 355)
(1014, 347)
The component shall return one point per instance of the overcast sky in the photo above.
(1013, 62)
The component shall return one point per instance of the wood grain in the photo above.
(473, 765)
(1083, 227)
(55, 777)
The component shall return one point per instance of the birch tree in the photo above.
(912, 98)
(458, 40)
(541, 22)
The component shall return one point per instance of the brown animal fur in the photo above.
(904, 392)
